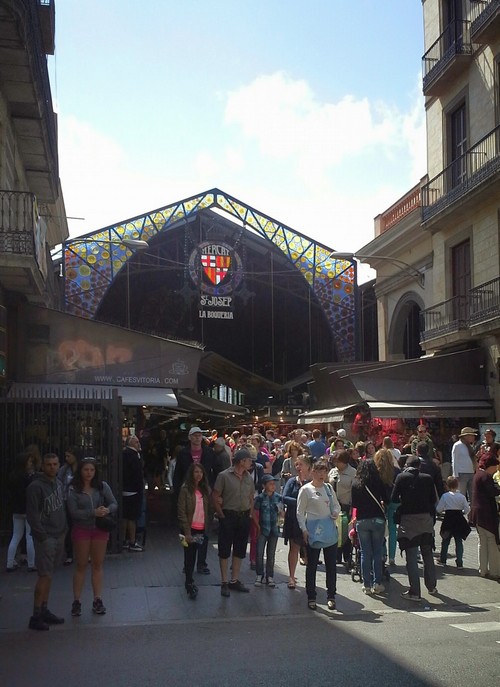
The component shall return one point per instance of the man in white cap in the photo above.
(462, 464)
(342, 434)
(198, 451)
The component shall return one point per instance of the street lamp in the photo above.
(411, 271)
(132, 244)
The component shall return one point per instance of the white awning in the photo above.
(130, 395)
(323, 416)
(418, 409)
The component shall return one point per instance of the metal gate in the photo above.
(91, 422)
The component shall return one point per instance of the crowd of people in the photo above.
(349, 503)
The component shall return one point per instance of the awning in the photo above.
(405, 410)
(323, 416)
(192, 401)
(146, 396)
(432, 409)
(130, 395)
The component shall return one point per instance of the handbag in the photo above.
(107, 523)
(322, 532)
(386, 533)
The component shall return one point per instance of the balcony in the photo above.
(467, 172)
(398, 211)
(24, 40)
(485, 302)
(448, 57)
(479, 309)
(23, 268)
(485, 21)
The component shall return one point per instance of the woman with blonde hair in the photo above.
(384, 460)
(288, 470)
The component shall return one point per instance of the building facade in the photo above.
(461, 199)
(447, 227)
(32, 214)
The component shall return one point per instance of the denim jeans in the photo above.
(371, 533)
(19, 523)
(330, 556)
(412, 568)
(393, 530)
(268, 544)
(465, 485)
(459, 549)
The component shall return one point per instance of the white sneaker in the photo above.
(366, 590)
(378, 589)
(270, 582)
(259, 581)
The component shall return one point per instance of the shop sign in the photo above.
(217, 270)
(68, 349)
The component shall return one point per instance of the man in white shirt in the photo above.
(461, 461)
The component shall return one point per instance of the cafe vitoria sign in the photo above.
(217, 270)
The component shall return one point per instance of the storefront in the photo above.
(373, 400)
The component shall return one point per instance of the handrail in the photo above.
(463, 174)
(409, 202)
(481, 12)
(481, 303)
(455, 40)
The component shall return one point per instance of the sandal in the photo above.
(311, 604)
(291, 584)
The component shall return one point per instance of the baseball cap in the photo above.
(241, 454)
(193, 430)
(341, 433)
(220, 441)
(268, 478)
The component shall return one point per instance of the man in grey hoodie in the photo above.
(46, 514)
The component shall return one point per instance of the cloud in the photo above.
(287, 121)
(326, 169)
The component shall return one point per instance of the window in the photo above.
(458, 145)
(453, 23)
(461, 278)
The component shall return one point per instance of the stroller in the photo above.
(355, 562)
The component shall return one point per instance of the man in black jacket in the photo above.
(429, 467)
(416, 492)
(197, 452)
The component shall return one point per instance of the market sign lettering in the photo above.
(217, 270)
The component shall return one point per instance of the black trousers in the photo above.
(190, 553)
(330, 556)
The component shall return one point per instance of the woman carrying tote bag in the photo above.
(317, 510)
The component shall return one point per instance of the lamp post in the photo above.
(403, 266)
(133, 244)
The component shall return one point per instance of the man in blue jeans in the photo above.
(415, 490)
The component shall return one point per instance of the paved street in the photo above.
(153, 634)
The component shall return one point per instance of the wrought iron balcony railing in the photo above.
(485, 301)
(443, 318)
(481, 304)
(461, 176)
(455, 40)
(485, 17)
(19, 220)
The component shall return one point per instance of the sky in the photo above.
(310, 112)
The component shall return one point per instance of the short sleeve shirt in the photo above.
(237, 493)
